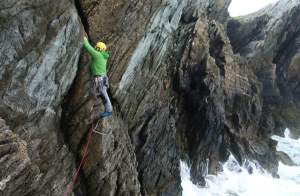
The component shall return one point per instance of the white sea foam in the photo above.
(236, 180)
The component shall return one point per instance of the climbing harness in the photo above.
(99, 82)
(92, 130)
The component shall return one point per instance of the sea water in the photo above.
(235, 180)
(292, 148)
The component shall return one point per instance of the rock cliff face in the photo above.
(178, 91)
(40, 42)
(270, 41)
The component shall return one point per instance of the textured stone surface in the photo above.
(110, 166)
(139, 86)
(270, 43)
(177, 88)
(15, 165)
(220, 102)
(40, 45)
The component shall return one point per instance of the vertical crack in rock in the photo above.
(82, 16)
(178, 90)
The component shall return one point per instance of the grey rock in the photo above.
(18, 174)
(178, 91)
(285, 158)
(269, 39)
(41, 42)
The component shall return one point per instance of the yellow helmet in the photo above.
(101, 45)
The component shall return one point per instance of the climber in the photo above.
(98, 69)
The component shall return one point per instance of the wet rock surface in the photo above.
(285, 158)
(178, 90)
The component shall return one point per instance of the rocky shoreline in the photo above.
(188, 82)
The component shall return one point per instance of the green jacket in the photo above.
(99, 59)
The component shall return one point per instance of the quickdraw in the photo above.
(102, 133)
(94, 129)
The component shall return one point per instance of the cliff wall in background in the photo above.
(270, 41)
(178, 89)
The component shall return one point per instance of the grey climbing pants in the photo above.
(101, 84)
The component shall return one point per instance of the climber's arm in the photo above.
(89, 48)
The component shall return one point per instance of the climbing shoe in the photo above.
(106, 114)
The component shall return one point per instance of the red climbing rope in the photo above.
(85, 149)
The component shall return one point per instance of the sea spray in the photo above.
(250, 178)
(291, 147)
